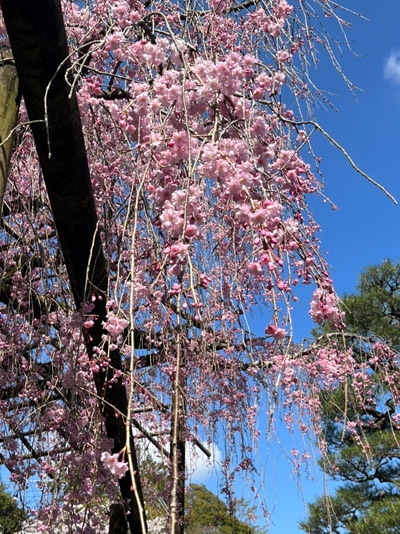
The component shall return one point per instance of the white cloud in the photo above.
(200, 467)
(391, 69)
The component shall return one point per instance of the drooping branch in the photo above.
(38, 40)
(39, 45)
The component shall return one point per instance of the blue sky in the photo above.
(364, 230)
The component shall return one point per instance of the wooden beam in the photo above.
(39, 44)
(9, 105)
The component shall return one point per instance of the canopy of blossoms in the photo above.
(201, 176)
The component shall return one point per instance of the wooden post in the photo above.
(118, 520)
(181, 450)
(9, 104)
(178, 445)
(39, 43)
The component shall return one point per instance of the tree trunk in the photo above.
(9, 104)
(39, 44)
(118, 521)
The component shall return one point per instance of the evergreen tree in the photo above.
(207, 514)
(363, 456)
(11, 517)
(375, 308)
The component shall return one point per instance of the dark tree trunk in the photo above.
(118, 521)
(9, 104)
(39, 44)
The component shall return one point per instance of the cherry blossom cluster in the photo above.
(201, 177)
(111, 461)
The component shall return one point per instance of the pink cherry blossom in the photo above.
(201, 186)
(276, 332)
(254, 268)
(111, 461)
(325, 307)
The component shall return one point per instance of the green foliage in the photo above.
(375, 309)
(369, 500)
(348, 511)
(155, 476)
(11, 517)
(207, 514)
(367, 460)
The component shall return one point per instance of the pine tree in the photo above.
(208, 514)
(11, 516)
(364, 458)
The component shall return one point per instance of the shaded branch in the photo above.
(39, 43)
